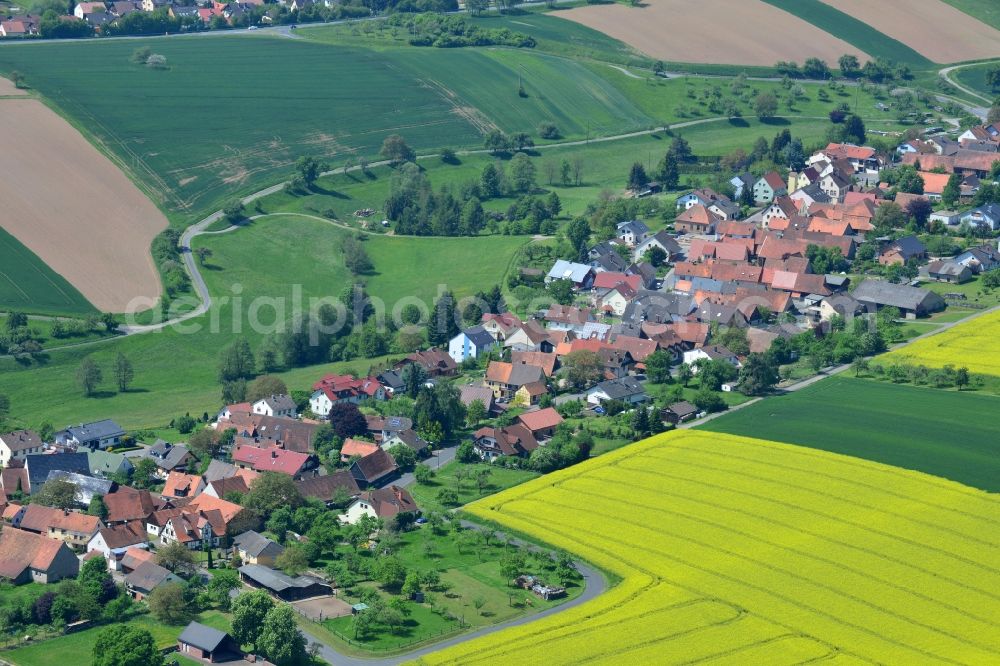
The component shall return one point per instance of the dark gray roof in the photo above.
(411, 439)
(909, 246)
(39, 466)
(148, 576)
(635, 226)
(257, 544)
(167, 455)
(605, 256)
(880, 292)
(279, 403)
(218, 470)
(202, 637)
(657, 307)
(620, 388)
(479, 337)
(683, 408)
(276, 580)
(392, 379)
(816, 193)
(665, 240)
(86, 432)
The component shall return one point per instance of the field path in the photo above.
(945, 74)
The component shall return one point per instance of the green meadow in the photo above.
(945, 433)
(986, 11)
(175, 369)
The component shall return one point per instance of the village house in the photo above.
(76, 529)
(980, 259)
(678, 412)
(626, 389)
(255, 548)
(335, 389)
(126, 504)
(145, 578)
(331, 489)
(168, 457)
(986, 216)
(515, 440)
(901, 251)
(506, 378)
(274, 459)
(220, 488)
(501, 325)
(194, 529)
(114, 540)
(18, 444)
(435, 362)
(32, 558)
(949, 271)
(408, 438)
(97, 435)
(105, 464)
(356, 448)
(276, 405)
(768, 187)
(581, 275)
(696, 220)
(180, 485)
(632, 232)
(373, 469)
(235, 518)
(471, 343)
(542, 423)
(382, 503)
(606, 256)
(710, 353)
(38, 467)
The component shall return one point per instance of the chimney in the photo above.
(274, 454)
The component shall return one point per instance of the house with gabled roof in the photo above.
(501, 325)
(768, 187)
(910, 301)
(275, 459)
(581, 275)
(605, 257)
(374, 469)
(255, 548)
(356, 448)
(696, 220)
(506, 378)
(76, 529)
(180, 484)
(901, 251)
(96, 435)
(275, 405)
(662, 240)
(471, 343)
(382, 503)
(330, 487)
(514, 440)
(632, 232)
(542, 423)
(39, 466)
(17, 444)
(148, 576)
(114, 540)
(626, 389)
(26, 557)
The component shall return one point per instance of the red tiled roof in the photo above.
(20, 550)
(541, 419)
(608, 280)
(38, 518)
(271, 459)
(357, 447)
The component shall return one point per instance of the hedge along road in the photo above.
(592, 580)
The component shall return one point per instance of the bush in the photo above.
(548, 131)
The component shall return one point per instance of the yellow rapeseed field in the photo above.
(973, 344)
(741, 551)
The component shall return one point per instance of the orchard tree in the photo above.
(280, 638)
(264, 387)
(88, 376)
(309, 168)
(395, 149)
(272, 490)
(126, 645)
(250, 610)
(765, 105)
(167, 604)
(124, 372)
(176, 557)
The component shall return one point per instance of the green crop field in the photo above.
(175, 370)
(987, 11)
(232, 113)
(944, 433)
(852, 31)
(26, 283)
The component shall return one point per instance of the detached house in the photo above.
(696, 220)
(373, 469)
(632, 232)
(768, 186)
(18, 444)
(506, 378)
(145, 578)
(27, 558)
(182, 485)
(275, 405)
(627, 389)
(113, 541)
(336, 389)
(383, 503)
(273, 459)
(471, 343)
(515, 440)
(581, 275)
(97, 435)
(255, 548)
(662, 240)
(76, 529)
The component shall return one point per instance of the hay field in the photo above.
(739, 551)
(749, 32)
(974, 344)
(74, 209)
(934, 29)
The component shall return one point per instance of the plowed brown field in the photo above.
(932, 28)
(70, 205)
(713, 31)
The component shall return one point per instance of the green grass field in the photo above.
(28, 284)
(77, 648)
(852, 31)
(944, 433)
(986, 11)
(175, 372)
(500, 479)
(974, 77)
(216, 123)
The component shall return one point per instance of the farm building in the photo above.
(281, 585)
(207, 643)
(911, 301)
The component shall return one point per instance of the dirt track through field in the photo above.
(747, 32)
(70, 205)
(932, 28)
